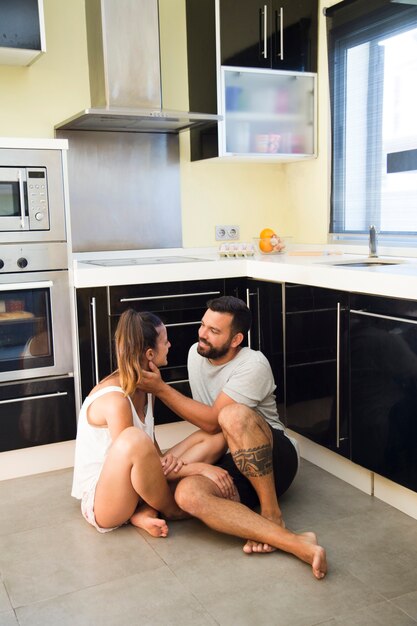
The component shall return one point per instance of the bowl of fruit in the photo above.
(269, 242)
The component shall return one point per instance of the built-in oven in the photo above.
(37, 403)
(35, 326)
(31, 196)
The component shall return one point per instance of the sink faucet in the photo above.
(372, 242)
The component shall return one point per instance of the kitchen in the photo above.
(249, 194)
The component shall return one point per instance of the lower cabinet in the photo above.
(265, 302)
(180, 305)
(93, 337)
(383, 386)
(37, 412)
(316, 375)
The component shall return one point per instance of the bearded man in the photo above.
(233, 393)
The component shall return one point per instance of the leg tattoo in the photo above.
(254, 462)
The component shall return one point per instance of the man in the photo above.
(233, 392)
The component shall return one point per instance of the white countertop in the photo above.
(313, 267)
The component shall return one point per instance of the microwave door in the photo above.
(13, 193)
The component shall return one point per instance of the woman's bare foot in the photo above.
(146, 518)
(262, 548)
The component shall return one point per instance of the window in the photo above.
(373, 84)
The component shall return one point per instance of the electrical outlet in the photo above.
(227, 232)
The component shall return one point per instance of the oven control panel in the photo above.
(36, 257)
(37, 193)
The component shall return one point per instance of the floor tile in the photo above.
(8, 619)
(241, 589)
(154, 598)
(407, 603)
(382, 614)
(45, 562)
(317, 497)
(34, 501)
(5, 604)
(191, 539)
(379, 549)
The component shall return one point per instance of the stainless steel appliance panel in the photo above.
(124, 191)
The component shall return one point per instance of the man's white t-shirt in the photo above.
(247, 379)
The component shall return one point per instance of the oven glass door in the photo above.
(26, 339)
(13, 199)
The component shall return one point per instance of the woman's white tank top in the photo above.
(92, 443)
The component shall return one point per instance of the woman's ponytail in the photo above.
(135, 333)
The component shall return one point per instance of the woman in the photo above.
(120, 474)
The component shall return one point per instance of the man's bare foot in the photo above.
(147, 519)
(316, 556)
(251, 546)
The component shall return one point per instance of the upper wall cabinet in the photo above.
(22, 31)
(277, 34)
(254, 64)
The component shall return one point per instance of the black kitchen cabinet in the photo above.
(383, 386)
(277, 34)
(316, 337)
(180, 305)
(93, 337)
(261, 115)
(265, 302)
(37, 412)
(22, 30)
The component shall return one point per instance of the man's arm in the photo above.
(197, 413)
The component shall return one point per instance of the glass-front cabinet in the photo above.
(267, 113)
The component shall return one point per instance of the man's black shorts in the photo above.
(285, 465)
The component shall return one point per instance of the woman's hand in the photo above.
(171, 463)
(221, 478)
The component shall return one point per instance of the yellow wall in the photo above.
(309, 181)
(291, 198)
(34, 99)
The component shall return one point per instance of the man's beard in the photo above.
(212, 353)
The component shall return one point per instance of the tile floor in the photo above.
(55, 570)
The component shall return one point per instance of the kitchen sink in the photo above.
(368, 262)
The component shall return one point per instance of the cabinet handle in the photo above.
(176, 295)
(280, 53)
(183, 324)
(40, 397)
(383, 317)
(265, 25)
(176, 382)
(248, 305)
(95, 352)
(22, 201)
(338, 377)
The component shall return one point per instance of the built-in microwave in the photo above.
(31, 196)
(23, 199)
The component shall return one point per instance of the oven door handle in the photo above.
(39, 397)
(35, 285)
(22, 200)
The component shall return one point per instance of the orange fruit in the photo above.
(265, 245)
(266, 233)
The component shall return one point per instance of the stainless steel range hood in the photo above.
(135, 120)
(126, 84)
